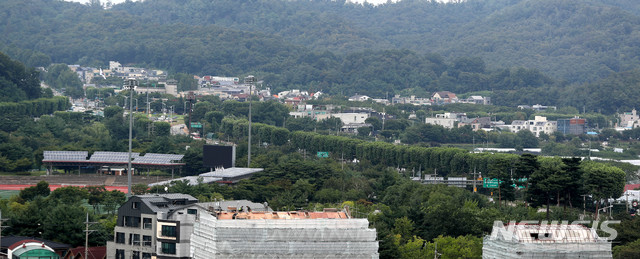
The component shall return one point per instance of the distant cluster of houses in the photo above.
(538, 125)
(628, 120)
(351, 120)
(437, 98)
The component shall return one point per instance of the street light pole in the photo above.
(131, 85)
(249, 80)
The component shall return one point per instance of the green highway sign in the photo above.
(323, 154)
(196, 125)
(490, 183)
(493, 183)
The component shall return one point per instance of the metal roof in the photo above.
(231, 172)
(65, 155)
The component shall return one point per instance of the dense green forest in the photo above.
(550, 49)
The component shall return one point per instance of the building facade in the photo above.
(295, 234)
(544, 241)
(575, 126)
(154, 226)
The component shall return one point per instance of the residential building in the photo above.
(353, 127)
(444, 97)
(282, 234)
(359, 98)
(154, 225)
(397, 99)
(536, 107)
(447, 120)
(350, 117)
(544, 241)
(476, 99)
(381, 101)
(575, 126)
(20, 247)
(538, 125)
(476, 123)
(97, 252)
(629, 120)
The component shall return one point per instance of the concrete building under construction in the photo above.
(297, 234)
(544, 241)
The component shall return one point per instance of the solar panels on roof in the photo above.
(65, 155)
(114, 157)
(152, 158)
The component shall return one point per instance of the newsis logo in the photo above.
(509, 232)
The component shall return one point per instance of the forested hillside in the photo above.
(549, 49)
(576, 41)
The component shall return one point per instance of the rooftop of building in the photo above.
(553, 233)
(236, 205)
(326, 214)
(167, 201)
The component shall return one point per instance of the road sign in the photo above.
(490, 183)
(196, 125)
(323, 154)
(635, 203)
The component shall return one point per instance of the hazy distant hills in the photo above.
(301, 41)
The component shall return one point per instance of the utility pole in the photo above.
(131, 85)
(249, 80)
(475, 189)
(86, 236)
(1, 227)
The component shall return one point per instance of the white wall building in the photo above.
(447, 120)
(297, 234)
(349, 118)
(544, 241)
(536, 126)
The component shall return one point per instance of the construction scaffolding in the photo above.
(545, 241)
(283, 238)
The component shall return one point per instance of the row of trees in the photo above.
(59, 215)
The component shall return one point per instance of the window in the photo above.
(135, 205)
(192, 211)
(146, 256)
(119, 237)
(133, 222)
(136, 255)
(134, 239)
(169, 231)
(119, 254)
(146, 241)
(146, 223)
(168, 248)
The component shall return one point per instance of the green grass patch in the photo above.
(8, 194)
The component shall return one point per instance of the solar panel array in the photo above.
(65, 155)
(112, 157)
(152, 158)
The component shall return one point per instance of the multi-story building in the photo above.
(476, 123)
(154, 225)
(544, 241)
(575, 126)
(283, 234)
(536, 126)
(447, 120)
(160, 225)
(629, 120)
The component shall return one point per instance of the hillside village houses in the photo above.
(536, 126)
(628, 120)
(437, 98)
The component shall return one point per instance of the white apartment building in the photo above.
(447, 120)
